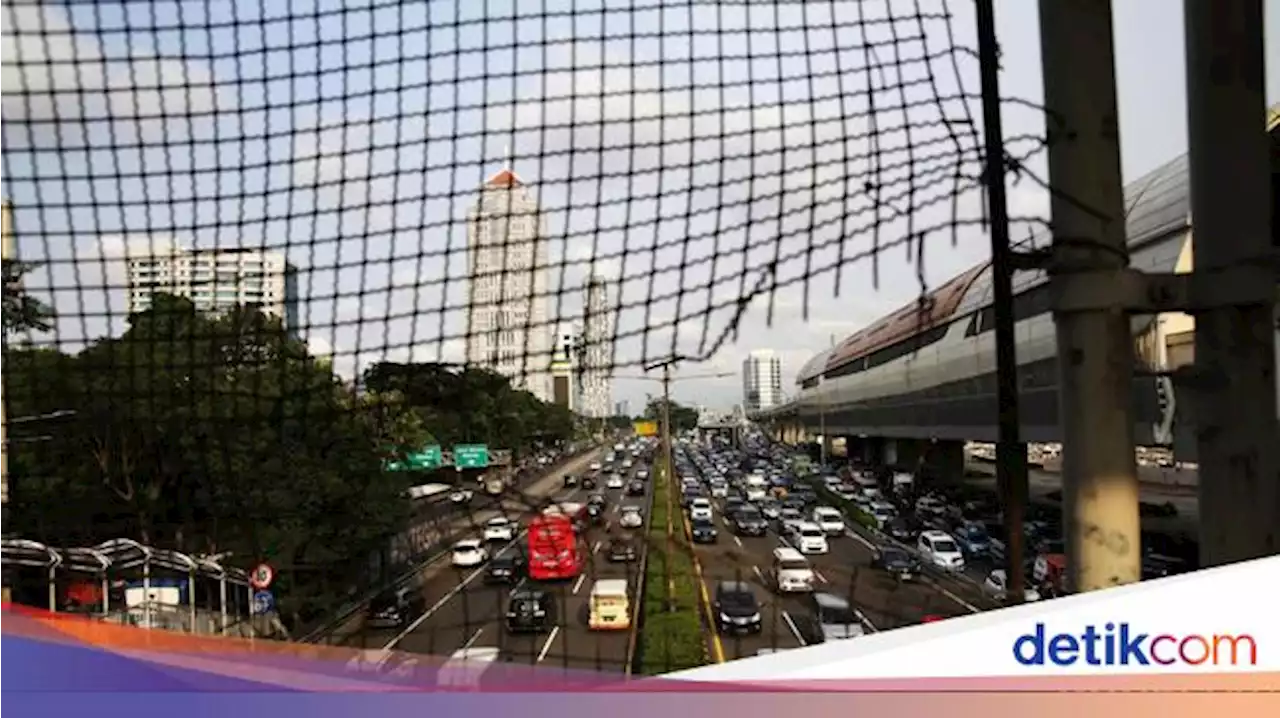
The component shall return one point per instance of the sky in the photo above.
(750, 175)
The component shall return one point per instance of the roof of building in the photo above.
(505, 178)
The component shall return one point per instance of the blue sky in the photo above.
(673, 147)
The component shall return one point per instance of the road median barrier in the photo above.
(671, 636)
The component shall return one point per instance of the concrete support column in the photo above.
(942, 461)
(875, 450)
(889, 453)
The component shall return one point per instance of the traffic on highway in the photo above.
(782, 569)
(546, 576)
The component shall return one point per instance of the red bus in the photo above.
(554, 552)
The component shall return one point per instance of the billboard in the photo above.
(646, 428)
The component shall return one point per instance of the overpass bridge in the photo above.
(911, 388)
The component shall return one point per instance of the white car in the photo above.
(938, 548)
(642, 473)
(719, 490)
(615, 481)
(883, 512)
(809, 537)
(626, 463)
(700, 509)
(830, 520)
(997, 587)
(461, 496)
(756, 493)
(499, 529)
(469, 553)
(631, 517)
(595, 466)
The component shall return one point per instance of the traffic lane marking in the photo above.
(795, 632)
(453, 592)
(546, 646)
(578, 584)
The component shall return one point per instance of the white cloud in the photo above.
(705, 205)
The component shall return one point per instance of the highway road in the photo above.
(883, 602)
(463, 612)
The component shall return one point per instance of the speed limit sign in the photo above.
(262, 576)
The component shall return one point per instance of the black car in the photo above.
(395, 608)
(901, 528)
(570, 480)
(703, 531)
(733, 505)
(588, 483)
(531, 611)
(595, 512)
(507, 568)
(794, 501)
(635, 488)
(737, 610)
(748, 521)
(897, 563)
(597, 500)
(623, 550)
(1156, 565)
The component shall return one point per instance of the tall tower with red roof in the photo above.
(508, 330)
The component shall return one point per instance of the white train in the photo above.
(949, 337)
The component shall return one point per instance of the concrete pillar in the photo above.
(942, 461)
(875, 450)
(889, 454)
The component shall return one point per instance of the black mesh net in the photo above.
(268, 266)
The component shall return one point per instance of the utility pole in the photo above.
(1232, 380)
(1011, 452)
(6, 248)
(1095, 344)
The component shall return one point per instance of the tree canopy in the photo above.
(683, 418)
(219, 434)
(472, 405)
(22, 312)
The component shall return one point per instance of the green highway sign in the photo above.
(471, 456)
(430, 457)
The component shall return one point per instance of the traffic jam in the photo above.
(553, 583)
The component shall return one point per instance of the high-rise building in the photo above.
(507, 327)
(761, 380)
(597, 339)
(565, 389)
(216, 280)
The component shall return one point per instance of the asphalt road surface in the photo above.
(463, 612)
(883, 602)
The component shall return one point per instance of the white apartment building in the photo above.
(761, 380)
(565, 385)
(507, 324)
(216, 280)
(597, 339)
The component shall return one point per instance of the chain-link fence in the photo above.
(265, 266)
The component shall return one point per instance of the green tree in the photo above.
(683, 418)
(22, 312)
(212, 434)
(471, 404)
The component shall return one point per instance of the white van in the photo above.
(466, 667)
(830, 520)
(610, 607)
(791, 571)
